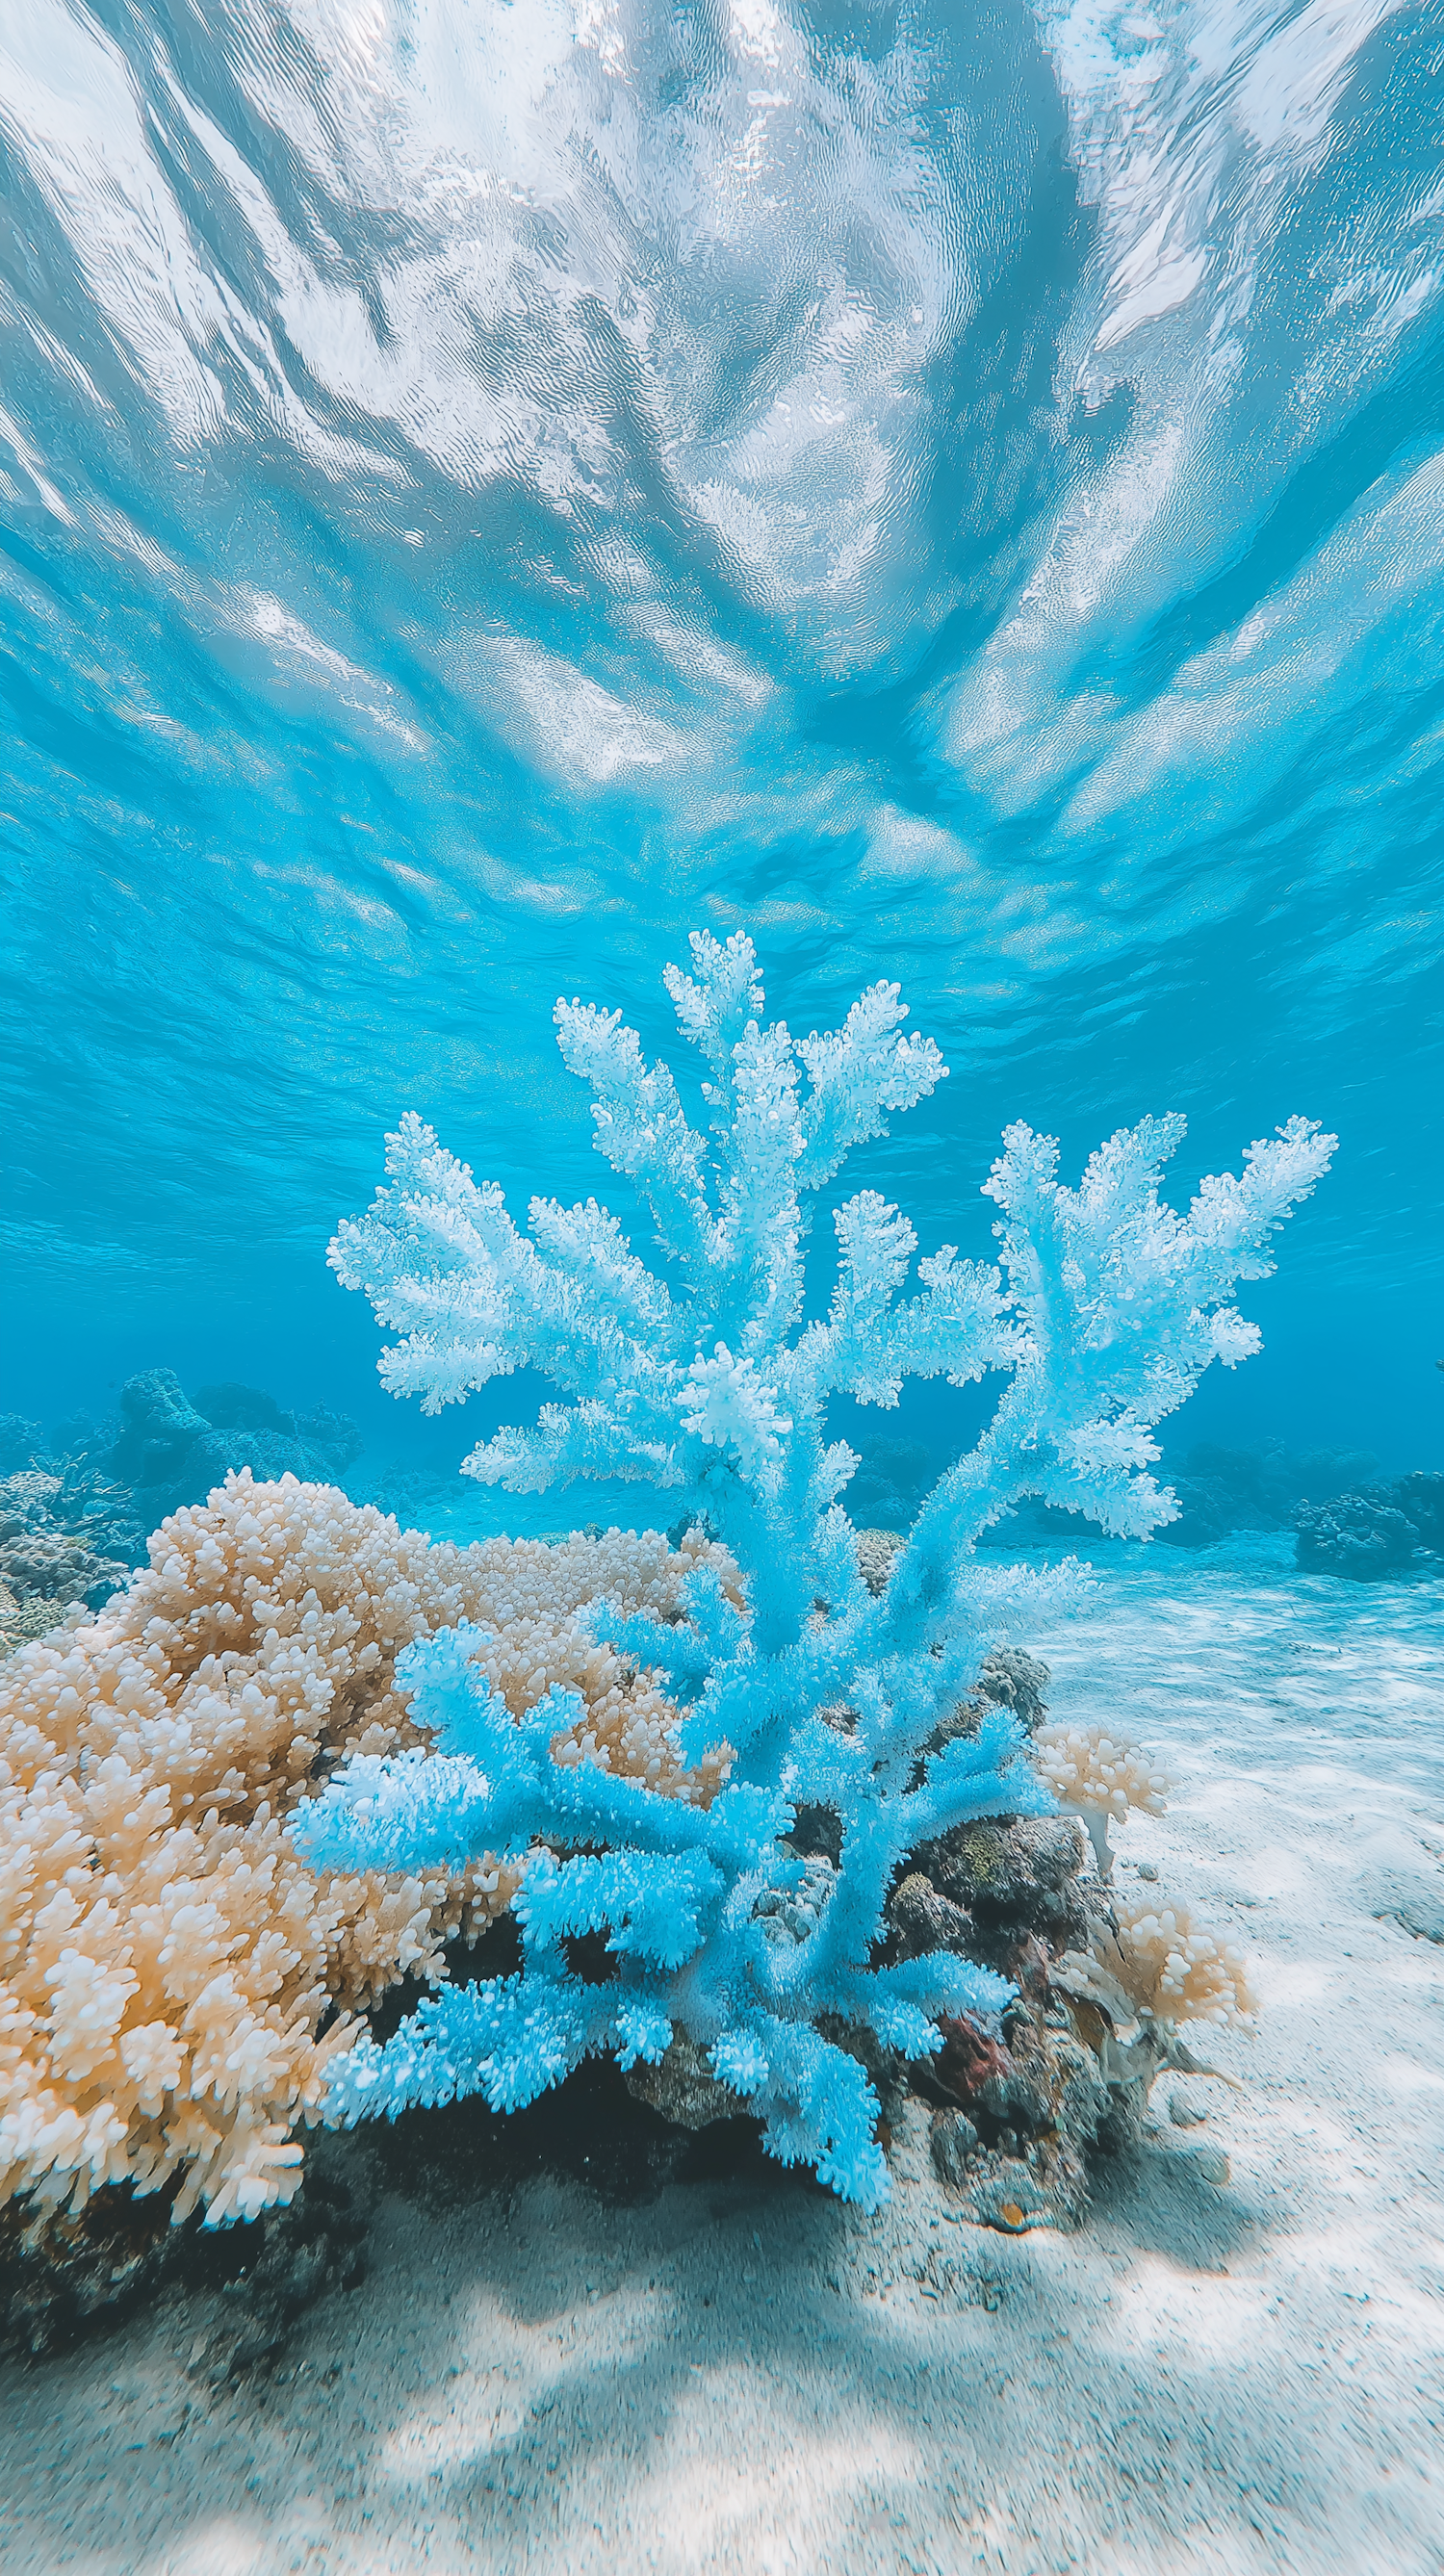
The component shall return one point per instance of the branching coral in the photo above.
(166, 1962)
(833, 1685)
(1158, 1963)
(1098, 1776)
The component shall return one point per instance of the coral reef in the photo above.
(1020, 2099)
(1155, 1961)
(60, 1544)
(19, 1441)
(1011, 1880)
(714, 1387)
(66, 2273)
(1148, 1966)
(1031, 2104)
(1096, 1775)
(173, 1980)
(76, 1512)
(1220, 1490)
(1383, 1530)
(1217, 1491)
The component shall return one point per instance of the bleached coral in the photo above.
(713, 1385)
(166, 1961)
(1098, 1775)
(1159, 1963)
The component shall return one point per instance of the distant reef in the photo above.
(1348, 1518)
(1385, 1529)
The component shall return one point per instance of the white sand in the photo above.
(1242, 2378)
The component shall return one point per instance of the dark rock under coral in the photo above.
(1018, 2106)
(236, 2294)
(1018, 2111)
(1015, 1882)
(683, 2088)
(64, 2275)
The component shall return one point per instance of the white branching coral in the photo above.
(1099, 1776)
(1158, 1962)
(167, 1962)
(711, 1376)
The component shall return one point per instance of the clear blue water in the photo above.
(487, 488)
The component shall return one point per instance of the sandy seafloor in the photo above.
(1239, 2377)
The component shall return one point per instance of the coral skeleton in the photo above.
(1097, 1776)
(712, 1385)
(167, 1965)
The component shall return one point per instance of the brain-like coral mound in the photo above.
(173, 1979)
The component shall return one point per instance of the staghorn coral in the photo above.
(711, 1381)
(1098, 1776)
(167, 1964)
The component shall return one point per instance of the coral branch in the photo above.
(834, 1692)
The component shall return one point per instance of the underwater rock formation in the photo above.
(829, 1684)
(1013, 1880)
(1383, 1530)
(1031, 2105)
(1218, 1491)
(76, 1512)
(65, 2273)
(159, 1424)
(172, 1452)
(1021, 2098)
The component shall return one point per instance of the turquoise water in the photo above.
(487, 489)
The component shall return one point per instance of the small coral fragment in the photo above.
(1098, 1775)
(1159, 1962)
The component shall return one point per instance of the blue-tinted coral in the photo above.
(712, 1386)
